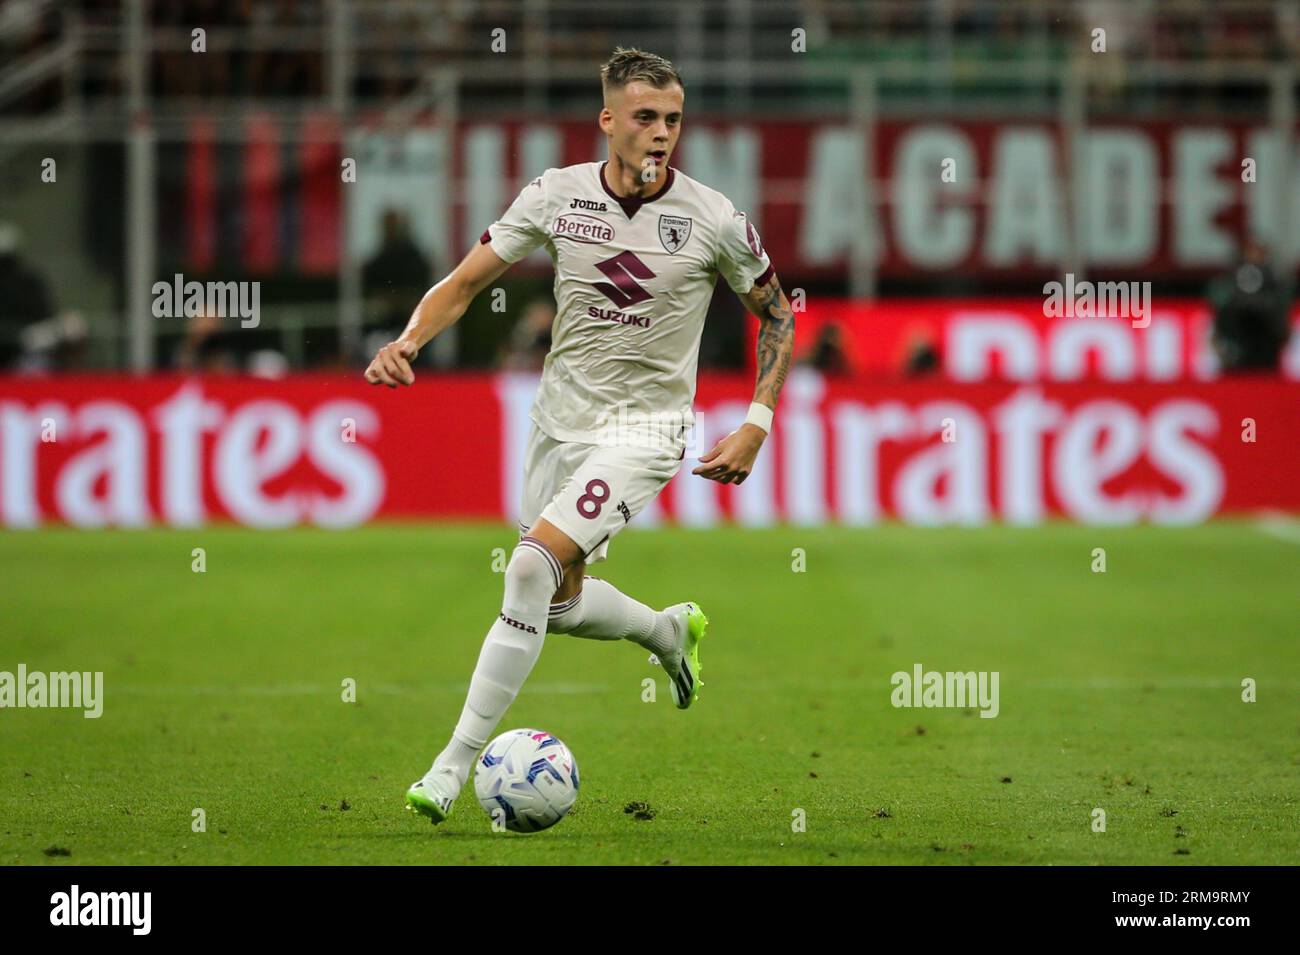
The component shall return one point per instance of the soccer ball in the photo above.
(526, 779)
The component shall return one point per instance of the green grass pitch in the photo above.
(1119, 691)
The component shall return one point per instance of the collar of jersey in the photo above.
(630, 204)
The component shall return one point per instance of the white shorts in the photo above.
(590, 491)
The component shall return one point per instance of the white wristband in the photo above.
(760, 415)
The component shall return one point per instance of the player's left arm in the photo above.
(732, 458)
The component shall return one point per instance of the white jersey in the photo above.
(633, 281)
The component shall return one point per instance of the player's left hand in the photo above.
(732, 458)
(392, 365)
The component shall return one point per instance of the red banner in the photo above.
(980, 339)
(94, 452)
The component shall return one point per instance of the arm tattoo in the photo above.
(775, 342)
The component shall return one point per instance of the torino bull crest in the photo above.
(674, 231)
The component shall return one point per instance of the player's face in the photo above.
(643, 123)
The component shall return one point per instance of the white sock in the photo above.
(460, 756)
(567, 618)
(509, 652)
(601, 611)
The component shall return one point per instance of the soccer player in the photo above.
(637, 248)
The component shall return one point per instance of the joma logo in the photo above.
(588, 204)
(526, 628)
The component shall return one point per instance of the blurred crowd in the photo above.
(35, 336)
(1250, 303)
(278, 48)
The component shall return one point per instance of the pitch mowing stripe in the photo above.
(1279, 525)
(562, 689)
(577, 689)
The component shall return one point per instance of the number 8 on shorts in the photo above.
(589, 504)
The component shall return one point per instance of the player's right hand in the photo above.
(392, 365)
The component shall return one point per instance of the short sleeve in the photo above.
(523, 226)
(741, 258)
